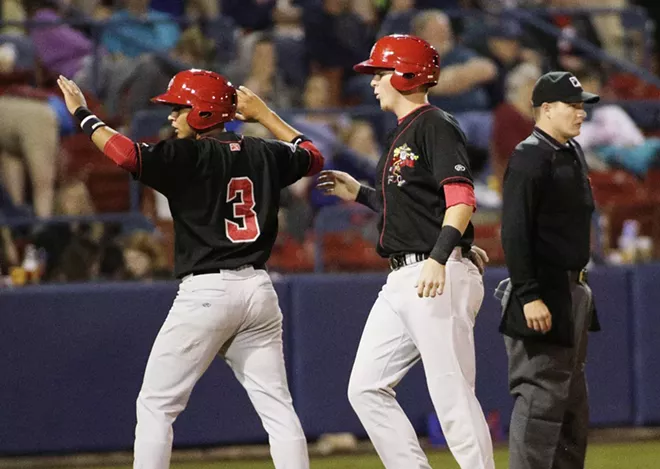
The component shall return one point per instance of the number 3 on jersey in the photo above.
(240, 194)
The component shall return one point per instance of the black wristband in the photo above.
(447, 240)
(367, 196)
(88, 121)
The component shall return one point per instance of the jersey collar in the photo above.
(538, 133)
(413, 112)
(223, 136)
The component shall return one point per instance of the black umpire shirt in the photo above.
(223, 192)
(546, 230)
(425, 151)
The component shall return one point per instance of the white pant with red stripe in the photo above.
(401, 329)
(234, 314)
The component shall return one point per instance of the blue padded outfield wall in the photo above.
(73, 356)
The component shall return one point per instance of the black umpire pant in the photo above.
(550, 418)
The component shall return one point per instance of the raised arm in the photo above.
(251, 108)
(119, 148)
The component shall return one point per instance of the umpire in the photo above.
(547, 304)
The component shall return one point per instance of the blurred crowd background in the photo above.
(67, 214)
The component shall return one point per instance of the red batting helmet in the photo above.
(210, 95)
(415, 62)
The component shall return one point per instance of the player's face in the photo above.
(567, 118)
(383, 89)
(179, 120)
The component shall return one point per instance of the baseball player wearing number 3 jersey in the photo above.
(427, 308)
(223, 191)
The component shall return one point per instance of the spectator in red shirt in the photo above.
(513, 120)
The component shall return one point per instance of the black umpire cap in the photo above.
(561, 86)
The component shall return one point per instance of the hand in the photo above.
(251, 107)
(338, 183)
(431, 279)
(479, 258)
(73, 97)
(538, 316)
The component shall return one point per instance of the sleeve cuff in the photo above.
(363, 195)
(529, 296)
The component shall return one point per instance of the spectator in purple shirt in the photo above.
(60, 48)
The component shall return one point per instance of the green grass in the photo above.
(602, 456)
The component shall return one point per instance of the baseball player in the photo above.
(425, 199)
(223, 191)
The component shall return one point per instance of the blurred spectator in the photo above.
(463, 72)
(81, 12)
(174, 8)
(111, 264)
(398, 19)
(360, 138)
(608, 26)
(366, 11)
(8, 252)
(561, 52)
(197, 10)
(356, 152)
(514, 118)
(28, 144)
(131, 32)
(295, 215)
(60, 48)
(154, 71)
(251, 15)
(501, 41)
(86, 7)
(320, 126)
(287, 16)
(128, 35)
(336, 22)
(79, 262)
(623, 85)
(71, 248)
(144, 257)
(612, 137)
(263, 78)
(12, 10)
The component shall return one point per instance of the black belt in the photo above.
(578, 276)
(217, 270)
(401, 260)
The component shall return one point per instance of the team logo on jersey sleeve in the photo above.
(403, 157)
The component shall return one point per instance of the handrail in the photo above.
(119, 217)
(585, 46)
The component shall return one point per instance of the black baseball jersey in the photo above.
(223, 192)
(424, 152)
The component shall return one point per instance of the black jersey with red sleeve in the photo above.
(224, 194)
(425, 152)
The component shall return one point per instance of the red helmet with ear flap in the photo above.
(210, 95)
(415, 62)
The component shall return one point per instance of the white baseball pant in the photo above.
(234, 313)
(400, 329)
